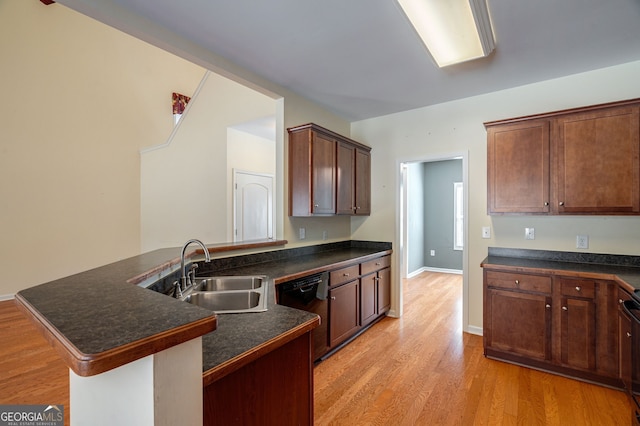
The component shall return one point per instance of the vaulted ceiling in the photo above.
(361, 58)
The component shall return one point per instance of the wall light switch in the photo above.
(302, 233)
(486, 232)
(433, 252)
(582, 241)
(529, 233)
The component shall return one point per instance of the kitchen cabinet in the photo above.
(562, 324)
(518, 314)
(577, 324)
(329, 173)
(344, 312)
(312, 174)
(518, 168)
(579, 161)
(359, 294)
(597, 162)
(278, 388)
(624, 342)
(375, 285)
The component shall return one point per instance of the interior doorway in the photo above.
(430, 224)
(253, 206)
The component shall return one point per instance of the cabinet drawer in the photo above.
(623, 296)
(524, 282)
(341, 276)
(375, 265)
(578, 288)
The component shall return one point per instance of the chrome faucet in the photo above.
(184, 281)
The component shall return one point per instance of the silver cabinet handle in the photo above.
(333, 298)
(578, 288)
(378, 263)
(345, 274)
(547, 306)
(564, 308)
(620, 301)
(546, 203)
(628, 334)
(517, 282)
(561, 203)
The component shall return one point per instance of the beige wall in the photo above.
(185, 185)
(457, 127)
(79, 100)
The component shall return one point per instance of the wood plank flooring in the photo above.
(31, 372)
(422, 370)
(416, 370)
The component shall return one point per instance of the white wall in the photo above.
(79, 100)
(458, 126)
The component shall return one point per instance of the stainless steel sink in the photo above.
(250, 282)
(237, 301)
(229, 294)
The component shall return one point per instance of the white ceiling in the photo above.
(361, 58)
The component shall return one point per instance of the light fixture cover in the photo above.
(453, 31)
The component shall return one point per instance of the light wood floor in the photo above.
(422, 370)
(417, 370)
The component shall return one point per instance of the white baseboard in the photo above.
(4, 297)
(429, 269)
(472, 329)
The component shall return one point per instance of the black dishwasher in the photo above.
(309, 294)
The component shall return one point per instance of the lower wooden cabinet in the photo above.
(518, 323)
(359, 294)
(344, 312)
(567, 325)
(253, 394)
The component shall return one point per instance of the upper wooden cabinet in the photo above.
(329, 174)
(518, 167)
(580, 161)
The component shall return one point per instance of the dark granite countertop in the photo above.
(96, 313)
(621, 268)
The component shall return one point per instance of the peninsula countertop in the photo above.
(99, 319)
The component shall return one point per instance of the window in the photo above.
(458, 216)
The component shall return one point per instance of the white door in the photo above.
(253, 206)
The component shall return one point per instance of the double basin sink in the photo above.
(230, 294)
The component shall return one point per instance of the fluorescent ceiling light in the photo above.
(453, 30)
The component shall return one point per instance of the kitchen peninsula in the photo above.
(100, 319)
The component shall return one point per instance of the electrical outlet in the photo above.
(433, 253)
(582, 241)
(486, 232)
(529, 233)
(302, 233)
(325, 235)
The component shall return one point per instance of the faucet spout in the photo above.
(183, 275)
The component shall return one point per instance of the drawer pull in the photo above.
(517, 282)
(564, 308)
(378, 263)
(578, 288)
(628, 334)
(620, 301)
(547, 306)
(333, 298)
(346, 274)
(561, 203)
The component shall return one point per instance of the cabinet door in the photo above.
(578, 334)
(624, 350)
(384, 290)
(345, 197)
(363, 182)
(344, 312)
(518, 323)
(323, 160)
(368, 299)
(597, 162)
(518, 168)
